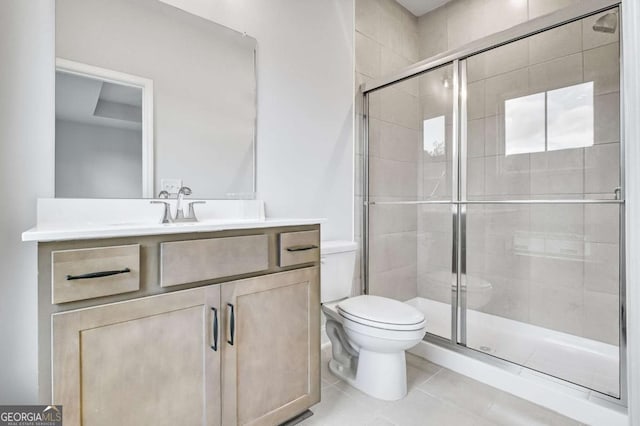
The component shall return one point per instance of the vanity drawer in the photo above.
(183, 262)
(299, 247)
(87, 273)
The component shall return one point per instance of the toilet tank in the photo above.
(338, 262)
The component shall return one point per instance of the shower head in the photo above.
(606, 23)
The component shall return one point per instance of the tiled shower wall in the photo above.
(386, 41)
(411, 247)
(462, 21)
(572, 285)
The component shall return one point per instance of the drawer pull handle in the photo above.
(232, 324)
(302, 247)
(98, 274)
(215, 329)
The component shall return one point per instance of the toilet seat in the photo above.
(381, 313)
(384, 334)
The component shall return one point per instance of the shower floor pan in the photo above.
(584, 362)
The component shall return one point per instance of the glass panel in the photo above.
(410, 152)
(542, 280)
(410, 138)
(436, 103)
(544, 115)
(435, 279)
(542, 286)
(393, 251)
(410, 258)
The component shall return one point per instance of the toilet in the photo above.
(479, 291)
(368, 334)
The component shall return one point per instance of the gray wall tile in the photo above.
(602, 66)
(558, 287)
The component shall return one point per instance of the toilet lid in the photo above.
(381, 312)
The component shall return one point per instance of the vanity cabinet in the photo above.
(271, 355)
(244, 352)
(70, 283)
(145, 361)
(228, 351)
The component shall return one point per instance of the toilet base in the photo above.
(380, 375)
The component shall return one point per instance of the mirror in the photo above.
(102, 149)
(150, 97)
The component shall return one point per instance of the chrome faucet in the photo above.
(166, 216)
(180, 217)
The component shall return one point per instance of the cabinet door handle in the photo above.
(232, 323)
(97, 274)
(215, 329)
(302, 247)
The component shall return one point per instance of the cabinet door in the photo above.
(271, 358)
(145, 361)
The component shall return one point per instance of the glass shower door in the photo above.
(541, 189)
(410, 169)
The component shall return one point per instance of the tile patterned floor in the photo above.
(437, 396)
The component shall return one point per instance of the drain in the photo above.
(485, 348)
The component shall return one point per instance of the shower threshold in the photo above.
(578, 402)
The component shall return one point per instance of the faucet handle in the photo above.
(166, 217)
(192, 212)
(185, 190)
(163, 194)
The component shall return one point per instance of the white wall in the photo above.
(26, 170)
(95, 161)
(305, 137)
(305, 103)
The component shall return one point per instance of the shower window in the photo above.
(495, 202)
(525, 124)
(433, 136)
(570, 117)
(550, 121)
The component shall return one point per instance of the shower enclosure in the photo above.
(494, 198)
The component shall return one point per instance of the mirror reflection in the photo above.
(198, 129)
(98, 138)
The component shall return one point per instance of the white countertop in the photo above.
(63, 219)
(87, 232)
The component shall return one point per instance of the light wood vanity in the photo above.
(206, 328)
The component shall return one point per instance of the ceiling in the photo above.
(420, 7)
